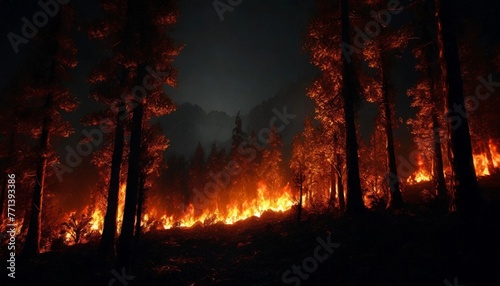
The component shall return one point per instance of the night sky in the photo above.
(227, 65)
(236, 63)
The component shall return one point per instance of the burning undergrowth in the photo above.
(80, 227)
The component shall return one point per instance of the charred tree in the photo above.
(467, 194)
(354, 196)
(439, 179)
(340, 184)
(32, 243)
(432, 72)
(299, 182)
(427, 96)
(107, 243)
(146, 28)
(140, 207)
(129, 213)
(333, 185)
(338, 165)
(56, 56)
(396, 197)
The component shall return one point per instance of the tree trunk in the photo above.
(300, 196)
(140, 206)
(127, 231)
(32, 243)
(125, 241)
(354, 197)
(107, 244)
(333, 185)
(467, 195)
(439, 179)
(396, 197)
(340, 190)
(432, 73)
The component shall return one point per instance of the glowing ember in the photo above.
(67, 238)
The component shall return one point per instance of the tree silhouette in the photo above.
(150, 52)
(467, 194)
(48, 99)
(335, 91)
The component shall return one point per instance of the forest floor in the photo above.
(413, 246)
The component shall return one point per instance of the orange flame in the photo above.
(421, 174)
(97, 222)
(483, 164)
(264, 201)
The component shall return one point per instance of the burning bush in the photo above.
(74, 229)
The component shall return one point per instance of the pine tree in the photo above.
(379, 53)
(149, 52)
(335, 92)
(272, 162)
(47, 100)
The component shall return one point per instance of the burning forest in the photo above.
(250, 142)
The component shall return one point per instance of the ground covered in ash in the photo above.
(413, 246)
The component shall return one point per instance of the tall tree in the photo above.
(197, 170)
(150, 53)
(313, 166)
(272, 162)
(108, 81)
(427, 98)
(297, 165)
(240, 177)
(335, 90)
(467, 193)
(349, 83)
(373, 170)
(379, 54)
(56, 55)
(481, 110)
(238, 135)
